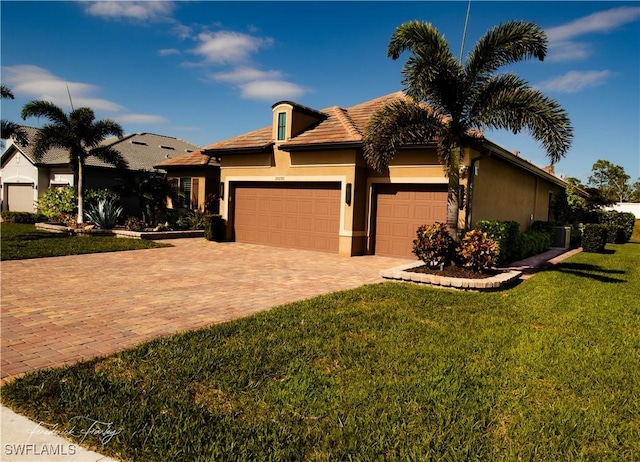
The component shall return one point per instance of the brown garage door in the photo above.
(297, 215)
(20, 197)
(400, 210)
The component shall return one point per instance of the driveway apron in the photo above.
(60, 310)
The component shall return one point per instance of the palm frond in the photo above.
(504, 44)
(398, 123)
(509, 103)
(110, 156)
(47, 110)
(5, 92)
(47, 137)
(15, 131)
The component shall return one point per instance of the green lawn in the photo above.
(20, 241)
(549, 370)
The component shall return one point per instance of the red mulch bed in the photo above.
(453, 272)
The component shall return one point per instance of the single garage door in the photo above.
(401, 210)
(20, 197)
(296, 215)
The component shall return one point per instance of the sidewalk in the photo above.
(27, 441)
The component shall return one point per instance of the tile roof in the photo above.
(142, 150)
(192, 159)
(342, 125)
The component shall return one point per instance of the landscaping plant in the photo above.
(434, 245)
(594, 238)
(104, 214)
(478, 251)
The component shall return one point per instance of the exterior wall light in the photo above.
(347, 197)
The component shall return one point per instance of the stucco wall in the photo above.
(501, 191)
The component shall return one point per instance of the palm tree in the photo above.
(78, 133)
(11, 129)
(449, 102)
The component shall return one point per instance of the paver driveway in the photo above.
(63, 309)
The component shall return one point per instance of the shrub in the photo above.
(504, 233)
(576, 238)
(104, 214)
(21, 217)
(57, 201)
(478, 251)
(548, 227)
(594, 238)
(93, 196)
(191, 219)
(532, 243)
(434, 246)
(625, 221)
(214, 227)
(134, 224)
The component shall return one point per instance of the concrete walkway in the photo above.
(61, 310)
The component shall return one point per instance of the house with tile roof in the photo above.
(24, 178)
(302, 182)
(197, 177)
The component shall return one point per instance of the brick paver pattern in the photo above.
(61, 310)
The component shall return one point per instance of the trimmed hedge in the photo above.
(22, 217)
(214, 227)
(594, 238)
(624, 220)
(532, 243)
(548, 227)
(505, 234)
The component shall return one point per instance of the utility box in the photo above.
(562, 237)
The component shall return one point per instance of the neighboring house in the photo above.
(24, 179)
(302, 182)
(197, 177)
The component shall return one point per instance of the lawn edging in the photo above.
(498, 282)
(149, 235)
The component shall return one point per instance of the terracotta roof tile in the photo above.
(191, 159)
(342, 125)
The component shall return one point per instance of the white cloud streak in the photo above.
(38, 83)
(168, 52)
(575, 81)
(131, 10)
(141, 119)
(563, 47)
(245, 74)
(228, 47)
(271, 90)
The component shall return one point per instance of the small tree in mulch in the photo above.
(478, 252)
(434, 245)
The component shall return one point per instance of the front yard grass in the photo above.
(21, 241)
(549, 370)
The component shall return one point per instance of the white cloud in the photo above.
(133, 10)
(168, 52)
(141, 119)
(575, 81)
(603, 21)
(271, 90)
(38, 83)
(228, 47)
(562, 47)
(245, 74)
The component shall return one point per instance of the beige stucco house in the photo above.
(302, 182)
(197, 177)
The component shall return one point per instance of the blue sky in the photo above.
(206, 71)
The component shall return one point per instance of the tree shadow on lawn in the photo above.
(36, 236)
(588, 271)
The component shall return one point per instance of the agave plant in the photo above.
(104, 213)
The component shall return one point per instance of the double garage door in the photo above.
(296, 215)
(307, 215)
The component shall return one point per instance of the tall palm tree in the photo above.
(450, 102)
(79, 133)
(11, 129)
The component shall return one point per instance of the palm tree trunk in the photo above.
(80, 193)
(453, 192)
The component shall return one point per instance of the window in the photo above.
(185, 192)
(282, 126)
